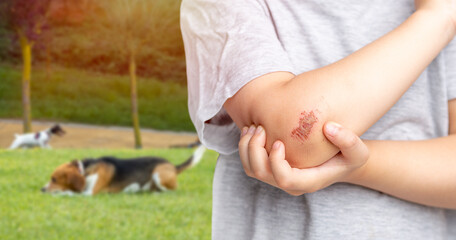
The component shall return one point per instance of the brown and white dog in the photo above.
(112, 175)
(38, 139)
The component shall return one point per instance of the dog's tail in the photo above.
(193, 160)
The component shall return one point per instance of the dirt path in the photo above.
(89, 136)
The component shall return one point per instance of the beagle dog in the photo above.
(112, 175)
(39, 139)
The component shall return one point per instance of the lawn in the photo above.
(77, 95)
(26, 213)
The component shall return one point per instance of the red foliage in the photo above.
(29, 16)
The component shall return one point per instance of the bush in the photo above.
(88, 97)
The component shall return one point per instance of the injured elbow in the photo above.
(302, 134)
(305, 125)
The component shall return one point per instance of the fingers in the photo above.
(280, 167)
(350, 145)
(258, 157)
(253, 155)
(353, 154)
(273, 169)
(247, 134)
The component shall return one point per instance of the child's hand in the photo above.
(276, 171)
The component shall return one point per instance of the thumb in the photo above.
(350, 145)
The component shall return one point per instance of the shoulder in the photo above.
(220, 11)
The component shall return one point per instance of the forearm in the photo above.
(355, 91)
(362, 87)
(418, 171)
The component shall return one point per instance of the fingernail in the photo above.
(332, 128)
(276, 145)
(259, 130)
(244, 131)
(251, 129)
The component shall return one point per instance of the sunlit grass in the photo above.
(95, 98)
(26, 213)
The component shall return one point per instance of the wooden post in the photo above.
(26, 47)
(134, 101)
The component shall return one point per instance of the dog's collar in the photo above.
(81, 167)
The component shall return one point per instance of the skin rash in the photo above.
(305, 124)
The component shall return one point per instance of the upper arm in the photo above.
(452, 116)
(222, 56)
(252, 102)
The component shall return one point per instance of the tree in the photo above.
(130, 24)
(28, 18)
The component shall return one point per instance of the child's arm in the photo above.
(355, 91)
(417, 171)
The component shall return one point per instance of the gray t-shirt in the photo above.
(230, 42)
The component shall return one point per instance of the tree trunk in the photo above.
(26, 47)
(134, 101)
(48, 62)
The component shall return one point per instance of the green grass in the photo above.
(26, 213)
(71, 95)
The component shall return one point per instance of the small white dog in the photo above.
(39, 139)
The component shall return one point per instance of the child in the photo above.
(292, 67)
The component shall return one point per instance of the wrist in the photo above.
(358, 176)
(439, 17)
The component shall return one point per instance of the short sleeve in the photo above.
(450, 69)
(227, 44)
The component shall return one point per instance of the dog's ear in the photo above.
(74, 163)
(78, 165)
(76, 182)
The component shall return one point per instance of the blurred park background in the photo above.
(84, 59)
(90, 65)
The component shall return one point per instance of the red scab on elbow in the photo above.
(304, 129)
